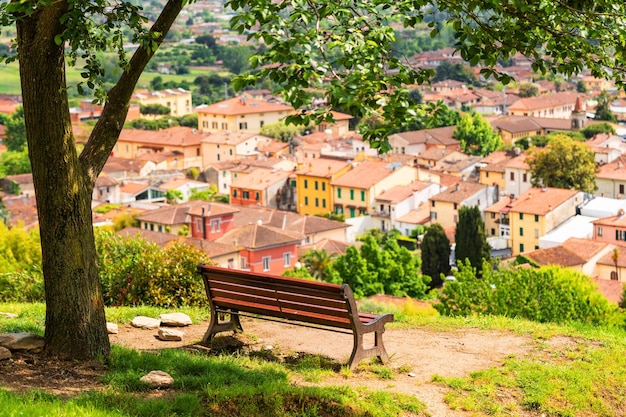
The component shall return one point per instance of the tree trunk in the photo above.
(64, 181)
(75, 318)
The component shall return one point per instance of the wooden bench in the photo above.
(232, 293)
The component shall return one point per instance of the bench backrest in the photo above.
(286, 298)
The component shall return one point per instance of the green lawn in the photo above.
(571, 370)
(10, 78)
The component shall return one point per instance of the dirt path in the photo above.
(415, 354)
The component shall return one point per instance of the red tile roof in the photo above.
(237, 106)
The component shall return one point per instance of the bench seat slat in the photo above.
(325, 290)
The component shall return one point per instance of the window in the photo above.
(512, 176)
(230, 152)
(362, 195)
(323, 186)
(455, 218)
(266, 263)
(536, 218)
(621, 188)
(287, 259)
(455, 205)
(537, 233)
(432, 203)
(599, 231)
(242, 262)
(257, 196)
(521, 231)
(493, 231)
(306, 200)
(317, 202)
(338, 192)
(524, 177)
(235, 193)
(351, 211)
(323, 202)
(493, 215)
(231, 263)
(246, 195)
(521, 247)
(316, 185)
(215, 225)
(521, 216)
(306, 183)
(433, 215)
(152, 227)
(243, 125)
(351, 194)
(293, 183)
(160, 228)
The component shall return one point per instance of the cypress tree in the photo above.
(435, 254)
(470, 238)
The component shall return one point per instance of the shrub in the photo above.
(22, 287)
(136, 272)
(547, 294)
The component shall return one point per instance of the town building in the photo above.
(241, 114)
(522, 220)
(355, 191)
(178, 100)
(313, 184)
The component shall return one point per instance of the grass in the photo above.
(10, 84)
(572, 370)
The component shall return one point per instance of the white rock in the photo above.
(144, 322)
(4, 353)
(411, 374)
(170, 334)
(112, 328)
(21, 341)
(158, 379)
(175, 319)
(9, 315)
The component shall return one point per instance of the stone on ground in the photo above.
(144, 322)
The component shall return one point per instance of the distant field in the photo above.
(10, 78)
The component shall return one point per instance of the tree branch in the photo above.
(107, 130)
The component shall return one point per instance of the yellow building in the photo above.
(313, 184)
(355, 192)
(241, 114)
(178, 100)
(444, 207)
(523, 220)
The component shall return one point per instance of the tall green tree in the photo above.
(435, 254)
(564, 163)
(457, 71)
(476, 135)
(317, 261)
(470, 238)
(47, 32)
(603, 108)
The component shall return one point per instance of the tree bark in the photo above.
(75, 319)
(75, 324)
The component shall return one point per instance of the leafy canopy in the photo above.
(347, 49)
(564, 163)
(91, 27)
(476, 135)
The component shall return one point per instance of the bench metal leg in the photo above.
(359, 352)
(218, 324)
